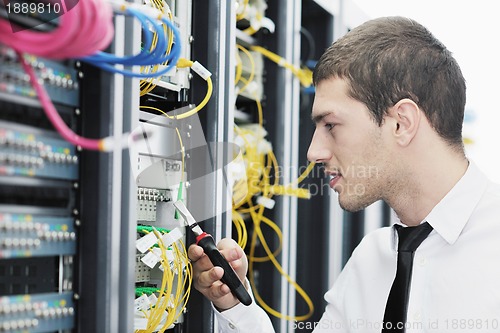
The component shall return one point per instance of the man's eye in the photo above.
(329, 126)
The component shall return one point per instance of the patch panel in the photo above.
(37, 313)
(26, 235)
(147, 199)
(37, 196)
(19, 276)
(142, 271)
(32, 115)
(25, 151)
(181, 13)
(60, 80)
(39, 178)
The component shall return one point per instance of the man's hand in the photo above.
(206, 277)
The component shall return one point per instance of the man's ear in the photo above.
(406, 116)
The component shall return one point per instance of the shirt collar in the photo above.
(450, 215)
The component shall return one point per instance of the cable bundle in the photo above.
(87, 29)
(261, 161)
(252, 195)
(83, 30)
(147, 85)
(204, 74)
(173, 293)
(262, 166)
(155, 48)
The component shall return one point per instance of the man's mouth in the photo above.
(334, 178)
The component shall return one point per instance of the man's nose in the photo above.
(318, 151)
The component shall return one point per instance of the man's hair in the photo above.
(387, 59)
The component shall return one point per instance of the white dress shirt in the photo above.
(455, 285)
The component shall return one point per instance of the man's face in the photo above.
(350, 144)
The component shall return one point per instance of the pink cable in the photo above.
(83, 30)
(53, 116)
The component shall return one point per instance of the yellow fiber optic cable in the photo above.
(262, 178)
(170, 300)
(257, 101)
(241, 229)
(164, 292)
(188, 278)
(252, 67)
(157, 313)
(290, 190)
(182, 64)
(180, 298)
(243, 12)
(304, 174)
(300, 291)
(272, 164)
(278, 233)
(300, 193)
(260, 168)
(303, 74)
(250, 30)
(265, 185)
(147, 85)
(239, 68)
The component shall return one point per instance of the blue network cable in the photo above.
(107, 61)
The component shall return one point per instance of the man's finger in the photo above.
(218, 290)
(231, 254)
(208, 278)
(195, 252)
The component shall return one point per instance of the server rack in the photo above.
(40, 177)
(101, 202)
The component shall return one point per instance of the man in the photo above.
(390, 98)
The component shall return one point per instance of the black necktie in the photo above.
(397, 303)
